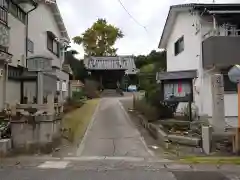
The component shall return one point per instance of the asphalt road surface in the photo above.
(75, 170)
(112, 149)
(112, 133)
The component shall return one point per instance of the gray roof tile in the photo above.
(110, 63)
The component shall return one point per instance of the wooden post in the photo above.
(237, 137)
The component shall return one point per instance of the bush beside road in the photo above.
(76, 122)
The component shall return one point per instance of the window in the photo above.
(229, 86)
(52, 44)
(3, 11)
(30, 46)
(3, 15)
(4, 4)
(17, 12)
(13, 72)
(179, 46)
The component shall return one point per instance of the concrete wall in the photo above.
(222, 51)
(25, 135)
(40, 21)
(17, 44)
(13, 92)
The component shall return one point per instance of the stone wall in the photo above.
(43, 133)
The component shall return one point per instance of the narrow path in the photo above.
(112, 133)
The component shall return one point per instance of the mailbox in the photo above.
(234, 74)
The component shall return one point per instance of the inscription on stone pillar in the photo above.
(218, 114)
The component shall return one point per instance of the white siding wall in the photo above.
(188, 59)
(40, 21)
(17, 40)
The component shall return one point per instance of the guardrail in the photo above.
(220, 32)
(3, 15)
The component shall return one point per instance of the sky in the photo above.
(78, 15)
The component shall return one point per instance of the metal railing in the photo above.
(222, 32)
(3, 15)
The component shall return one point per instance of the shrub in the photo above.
(72, 104)
(91, 89)
(78, 95)
(149, 111)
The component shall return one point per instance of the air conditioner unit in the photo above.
(1, 72)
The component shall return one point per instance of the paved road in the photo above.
(112, 133)
(110, 170)
(112, 150)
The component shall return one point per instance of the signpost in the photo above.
(234, 76)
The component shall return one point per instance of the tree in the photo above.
(154, 57)
(76, 65)
(98, 40)
(149, 65)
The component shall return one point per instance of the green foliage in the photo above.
(149, 65)
(76, 65)
(78, 95)
(156, 58)
(153, 105)
(98, 40)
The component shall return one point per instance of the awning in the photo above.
(51, 34)
(174, 75)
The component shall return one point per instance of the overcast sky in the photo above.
(78, 15)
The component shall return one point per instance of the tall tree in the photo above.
(154, 57)
(99, 39)
(149, 65)
(76, 65)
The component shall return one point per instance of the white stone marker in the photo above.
(218, 110)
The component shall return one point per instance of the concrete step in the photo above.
(110, 93)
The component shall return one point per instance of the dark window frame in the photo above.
(51, 40)
(17, 12)
(30, 45)
(179, 46)
(14, 73)
(229, 87)
(4, 11)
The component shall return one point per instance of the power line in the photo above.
(131, 15)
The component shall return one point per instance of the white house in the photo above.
(201, 40)
(30, 29)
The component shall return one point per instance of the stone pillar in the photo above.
(218, 109)
(61, 92)
(206, 139)
(39, 88)
(50, 100)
